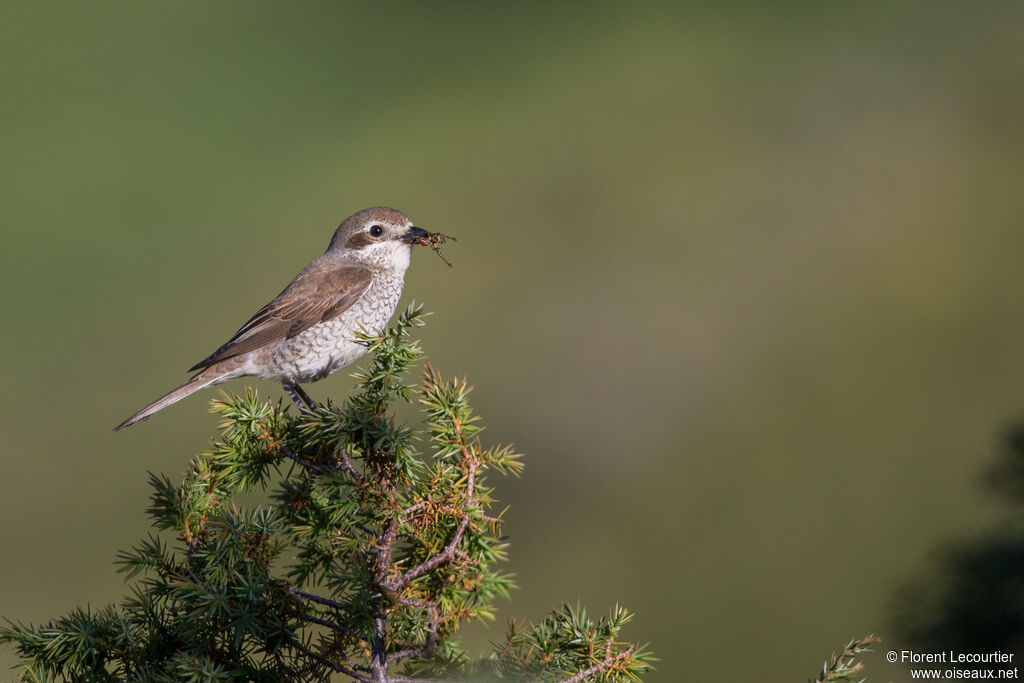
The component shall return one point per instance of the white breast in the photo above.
(329, 346)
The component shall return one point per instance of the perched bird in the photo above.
(306, 332)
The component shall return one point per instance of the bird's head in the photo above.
(378, 237)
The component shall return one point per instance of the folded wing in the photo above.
(319, 293)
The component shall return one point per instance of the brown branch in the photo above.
(413, 602)
(444, 556)
(344, 464)
(329, 603)
(348, 467)
(605, 664)
(378, 650)
(512, 625)
(379, 659)
(315, 598)
(333, 626)
(448, 552)
(387, 547)
(405, 654)
(333, 665)
(414, 508)
(305, 463)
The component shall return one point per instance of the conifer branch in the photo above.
(319, 469)
(387, 552)
(610, 659)
(348, 467)
(339, 668)
(842, 666)
(315, 598)
(330, 624)
(442, 557)
(426, 650)
(472, 464)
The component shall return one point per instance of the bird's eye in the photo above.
(376, 230)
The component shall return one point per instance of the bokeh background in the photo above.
(743, 282)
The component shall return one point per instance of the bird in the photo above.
(308, 330)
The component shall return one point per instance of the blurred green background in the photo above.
(743, 282)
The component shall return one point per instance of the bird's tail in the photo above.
(200, 381)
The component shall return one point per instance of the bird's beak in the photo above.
(415, 234)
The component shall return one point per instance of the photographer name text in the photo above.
(950, 657)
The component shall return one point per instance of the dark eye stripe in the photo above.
(359, 240)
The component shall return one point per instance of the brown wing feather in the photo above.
(318, 293)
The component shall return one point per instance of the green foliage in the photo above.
(569, 646)
(843, 666)
(365, 562)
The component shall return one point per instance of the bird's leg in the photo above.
(305, 397)
(299, 397)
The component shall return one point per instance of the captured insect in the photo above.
(434, 240)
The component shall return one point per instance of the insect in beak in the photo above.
(432, 240)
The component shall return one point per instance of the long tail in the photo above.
(200, 381)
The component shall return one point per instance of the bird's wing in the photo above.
(318, 293)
